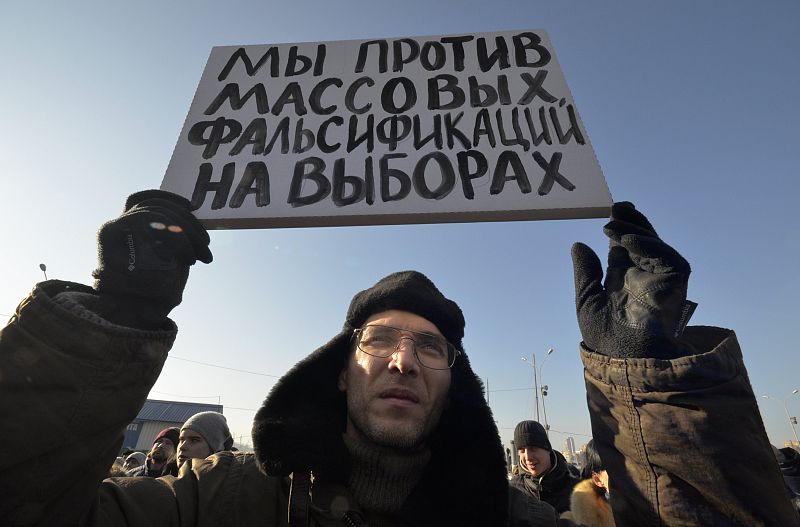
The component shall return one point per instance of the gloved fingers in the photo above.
(588, 274)
(181, 220)
(180, 206)
(154, 233)
(618, 257)
(615, 229)
(138, 197)
(653, 255)
(625, 212)
(164, 228)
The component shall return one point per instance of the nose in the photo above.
(403, 357)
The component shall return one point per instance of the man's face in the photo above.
(536, 460)
(192, 446)
(162, 450)
(394, 401)
(130, 463)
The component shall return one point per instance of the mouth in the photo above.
(399, 394)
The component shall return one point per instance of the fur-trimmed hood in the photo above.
(589, 507)
(300, 425)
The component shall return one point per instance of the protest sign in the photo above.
(473, 127)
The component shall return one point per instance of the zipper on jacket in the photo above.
(353, 519)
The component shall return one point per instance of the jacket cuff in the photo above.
(45, 307)
(719, 361)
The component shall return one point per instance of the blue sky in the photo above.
(690, 106)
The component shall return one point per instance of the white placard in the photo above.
(473, 127)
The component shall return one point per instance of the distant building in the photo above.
(569, 451)
(158, 415)
(579, 459)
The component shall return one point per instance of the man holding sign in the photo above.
(386, 424)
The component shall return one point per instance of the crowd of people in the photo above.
(570, 495)
(203, 434)
(386, 424)
(575, 495)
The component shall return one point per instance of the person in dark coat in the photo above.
(789, 463)
(162, 457)
(543, 472)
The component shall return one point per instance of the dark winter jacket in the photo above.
(169, 469)
(555, 487)
(789, 462)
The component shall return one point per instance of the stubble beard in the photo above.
(158, 457)
(408, 435)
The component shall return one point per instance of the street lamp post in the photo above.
(544, 411)
(544, 393)
(791, 419)
(537, 377)
(535, 381)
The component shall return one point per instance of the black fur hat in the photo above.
(300, 425)
(409, 291)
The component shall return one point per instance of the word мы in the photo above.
(432, 55)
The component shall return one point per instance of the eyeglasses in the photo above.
(432, 351)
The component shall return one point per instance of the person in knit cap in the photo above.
(203, 434)
(372, 425)
(162, 457)
(133, 460)
(543, 472)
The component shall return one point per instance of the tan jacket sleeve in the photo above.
(683, 439)
(226, 489)
(69, 385)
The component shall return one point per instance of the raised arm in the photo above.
(76, 363)
(673, 413)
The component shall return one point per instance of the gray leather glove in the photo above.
(641, 309)
(144, 258)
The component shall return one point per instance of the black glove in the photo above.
(641, 309)
(144, 258)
